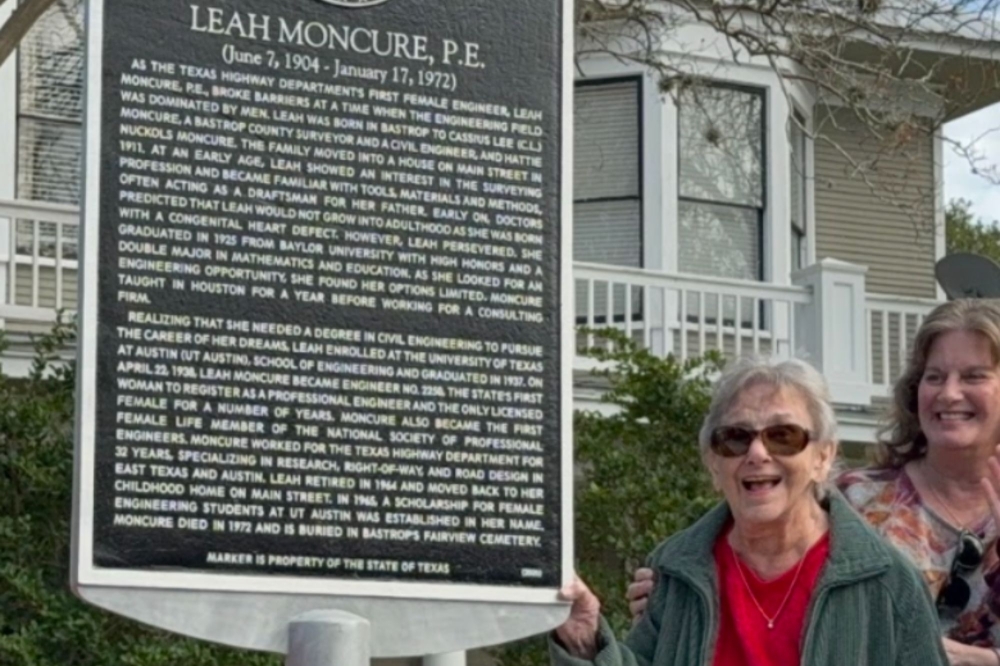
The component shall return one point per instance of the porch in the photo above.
(857, 339)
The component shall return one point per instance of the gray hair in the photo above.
(792, 373)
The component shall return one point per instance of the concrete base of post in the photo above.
(329, 638)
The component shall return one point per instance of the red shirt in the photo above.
(744, 638)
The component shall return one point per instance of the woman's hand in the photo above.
(638, 592)
(578, 634)
(960, 654)
(991, 484)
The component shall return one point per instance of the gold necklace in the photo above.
(753, 597)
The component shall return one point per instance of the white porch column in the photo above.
(8, 153)
(6, 259)
(832, 328)
(445, 659)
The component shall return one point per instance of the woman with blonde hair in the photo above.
(934, 490)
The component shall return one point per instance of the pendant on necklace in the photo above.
(770, 624)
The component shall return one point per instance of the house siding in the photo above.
(892, 233)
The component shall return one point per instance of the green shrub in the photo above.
(639, 473)
(41, 622)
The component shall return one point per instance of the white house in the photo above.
(705, 218)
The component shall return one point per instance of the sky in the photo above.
(983, 127)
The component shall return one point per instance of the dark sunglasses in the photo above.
(956, 592)
(785, 439)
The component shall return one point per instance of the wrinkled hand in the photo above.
(954, 651)
(578, 634)
(638, 593)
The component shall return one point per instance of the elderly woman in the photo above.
(934, 492)
(779, 573)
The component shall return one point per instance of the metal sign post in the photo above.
(326, 322)
(328, 638)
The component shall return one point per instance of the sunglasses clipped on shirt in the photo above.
(785, 439)
(956, 592)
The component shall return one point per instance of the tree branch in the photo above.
(860, 59)
(18, 25)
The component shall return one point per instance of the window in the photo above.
(607, 185)
(721, 181)
(607, 188)
(798, 175)
(50, 109)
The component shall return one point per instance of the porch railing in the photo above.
(892, 324)
(860, 341)
(688, 315)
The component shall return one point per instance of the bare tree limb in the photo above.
(895, 70)
(18, 25)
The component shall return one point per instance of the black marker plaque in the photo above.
(328, 304)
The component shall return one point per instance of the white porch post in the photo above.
(8, 154)
(6, 264)
(832, 328)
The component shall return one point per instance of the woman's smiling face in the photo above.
(760, 487)
(957, 399)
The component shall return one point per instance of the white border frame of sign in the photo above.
(253, 611)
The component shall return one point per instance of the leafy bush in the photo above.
(41, 622)
(639, 474)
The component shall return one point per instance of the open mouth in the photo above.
(955, 416)
(760, 483)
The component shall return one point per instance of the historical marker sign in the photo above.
(322, 325)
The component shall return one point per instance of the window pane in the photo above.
(721, 145)
(48, 161)
(606, 141)
(51, 63)
(723, 241)
(46, 231)
(607, 232)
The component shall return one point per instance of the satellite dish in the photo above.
(965, 275)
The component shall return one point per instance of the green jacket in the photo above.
(870, 606)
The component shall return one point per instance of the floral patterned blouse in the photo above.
(890, 503)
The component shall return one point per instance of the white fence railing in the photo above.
(892, 324)
(688, 315)
(38, 260)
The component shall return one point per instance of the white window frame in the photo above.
(652, 164)
(640, 148)
(776, 238)
(10, 134)
(809, 184)
(765, 185)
